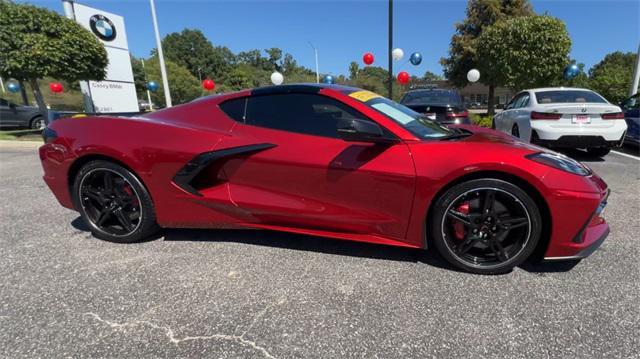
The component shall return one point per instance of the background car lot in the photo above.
(262, 294)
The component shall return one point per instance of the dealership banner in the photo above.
(117, 93)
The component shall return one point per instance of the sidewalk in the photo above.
(20, 144)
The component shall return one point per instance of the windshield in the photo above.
(568, 96)
(431, 97)
(406, 117)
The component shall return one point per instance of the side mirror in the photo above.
(355, 130)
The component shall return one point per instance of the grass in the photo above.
(21, 135)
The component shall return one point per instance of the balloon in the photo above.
(327, 79)
(368, 58)
(403, 78)
(397, 54)
(13, 87)
(415, 58)
(277, 78)
(152, 86)
(208, 84)
(571, 71)
(473, 75)
(56, 87)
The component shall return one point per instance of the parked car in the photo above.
(631, 108)
(563, 117)
(443, 106)
(326, 160)
(13, 115)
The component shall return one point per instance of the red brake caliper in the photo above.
(458, 227)
(128, 190)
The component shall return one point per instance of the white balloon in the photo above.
(277, 78)
(473, 75)
(397, 54)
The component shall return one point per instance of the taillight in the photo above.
(545, 116)
(459, 114)
(613, 116)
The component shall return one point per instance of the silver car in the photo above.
(12, 115)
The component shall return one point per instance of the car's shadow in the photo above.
(300, 242)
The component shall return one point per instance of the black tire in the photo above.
(37, 123)
(515, 131)
(598, 152)
(127, 198)
(477, 251)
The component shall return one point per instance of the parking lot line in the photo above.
(626, 155)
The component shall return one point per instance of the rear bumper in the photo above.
(579, 142)
(552, 131)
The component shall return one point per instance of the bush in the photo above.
(478, 120)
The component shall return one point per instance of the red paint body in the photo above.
(314, 185)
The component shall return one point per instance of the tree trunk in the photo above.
(23, 93)
(490, 105)
(38, 96)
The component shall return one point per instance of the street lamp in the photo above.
(163, 70)
(316, 52)
(390, 79)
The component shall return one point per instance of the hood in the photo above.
(481, 135)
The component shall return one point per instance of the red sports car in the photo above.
(329, 161)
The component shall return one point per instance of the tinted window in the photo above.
(431, 97)
(235, 108)
(632, 103)
(523, 101)
(568, 96)
(302, 113)
(4, 102)
(514, 101)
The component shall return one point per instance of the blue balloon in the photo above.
(416, 58)
(571, 71)
(152, 86)
(13, 87)
(327, 79)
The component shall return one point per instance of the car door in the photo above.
(302, 175)
(631, 108)
(504, 121)
(521, 117)
(7, 114)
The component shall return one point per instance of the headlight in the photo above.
(560, 162)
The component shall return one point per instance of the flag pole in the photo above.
(163, 70)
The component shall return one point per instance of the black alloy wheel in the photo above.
(113, 203)
(486, 226)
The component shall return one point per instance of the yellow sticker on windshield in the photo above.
(364, 96)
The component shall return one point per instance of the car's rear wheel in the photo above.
(598, 152)
(515, 131)
(37, 123)
(485, 226)
(114, 203)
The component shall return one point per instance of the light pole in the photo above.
(148, 93)
(163, 70)
(636, 75)
(390, 49)
(317, 70)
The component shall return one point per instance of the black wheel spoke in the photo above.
(513, 222)
(108, 181)
(498, 249)
(466, 245)
(488, 201)
(459, 216)
(124, 220)
(93, 194)
(103, 216)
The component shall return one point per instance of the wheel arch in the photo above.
(536, 196)
(34, 117)
(83, 160)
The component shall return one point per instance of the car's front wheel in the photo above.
(485, 226)
(114, 203)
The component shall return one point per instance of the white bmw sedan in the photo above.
(563, 117)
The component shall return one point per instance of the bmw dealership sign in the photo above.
(117, 93)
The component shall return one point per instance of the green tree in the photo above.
(37, 43)
(354, 69)
(183, 85)
(523, 52)
(139, 77)
(431, 77)
(192, 50)
(463, 48)
(612, 76)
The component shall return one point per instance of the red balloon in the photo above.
(368, 58)
(208, 84)
(403, 77)
(56, 87)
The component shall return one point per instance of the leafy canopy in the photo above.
(612, 76)
(183, 86)
(524, 52)
(480, 15)
(35, 43)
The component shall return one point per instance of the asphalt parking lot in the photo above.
(258, 294)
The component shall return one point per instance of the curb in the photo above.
(20, 144)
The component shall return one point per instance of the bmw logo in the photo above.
(102, 27)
